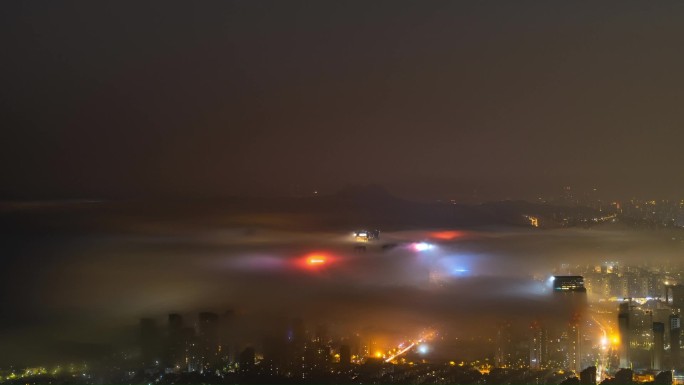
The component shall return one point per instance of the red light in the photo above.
(446, 235)
(316, 260)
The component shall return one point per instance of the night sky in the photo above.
(430, 99)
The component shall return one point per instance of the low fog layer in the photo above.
(76, 286)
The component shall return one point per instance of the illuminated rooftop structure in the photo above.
(365, 236)
(564, 283)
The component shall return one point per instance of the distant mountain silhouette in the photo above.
(370, 206)
(372, 192)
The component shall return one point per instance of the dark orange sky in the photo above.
(431, 99)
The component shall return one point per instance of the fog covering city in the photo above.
(357, 192)
(77, 282)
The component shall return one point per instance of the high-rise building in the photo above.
(208, 336)
(573, 346)
(569, 283)
(503, 356)
(176, 343)
(623, 328)
(149, 341)
(345, 355)
(675, 334)
(570, 291)
(677, 296)
(658, 345)
(538, 346)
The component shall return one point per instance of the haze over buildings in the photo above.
(341, 192)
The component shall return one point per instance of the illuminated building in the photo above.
(571, 345)
(573, 283)
(365, 235)
(675, 334)
(504, 344)
(538, 346)
(635, 325)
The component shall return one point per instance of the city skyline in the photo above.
(353, 192)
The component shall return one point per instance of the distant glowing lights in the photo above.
(446, 235)
(316, 260)
(422, 246)
(423, 349)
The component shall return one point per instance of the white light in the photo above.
(422, 246)
(423, 349)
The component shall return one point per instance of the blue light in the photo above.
(423, 349)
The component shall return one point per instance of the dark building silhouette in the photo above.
(150, 341)
(228, 338)
(677, 296)
(275, 345)
(624, 376)
(247, 360)
(663, 378)
(345, 355)
(675, 333)
(176, 343)
(588, 376)
(623, 327)
(658, 345)
(208, 338)
(188, 354)
(570, 381)
(297, 356)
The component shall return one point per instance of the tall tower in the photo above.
(658, 345)
(503, 357)
(538, 346)
(175, 347)
(575, 346)
(149, 340)
(675, 333)
(623, 327)
(677, 296)
(209, 339)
